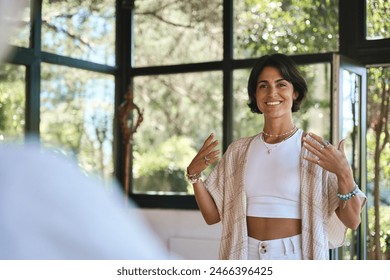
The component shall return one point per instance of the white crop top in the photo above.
(272, 180)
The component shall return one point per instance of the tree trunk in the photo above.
(376, 196)
(380, 127)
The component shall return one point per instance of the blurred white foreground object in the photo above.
(49, 209)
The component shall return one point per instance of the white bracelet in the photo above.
(194, 178)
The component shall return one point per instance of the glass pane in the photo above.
(21, 37)
(378, 20)
(177, 32)
(12, 103)
(314, 114)
(80, 29)
(77, 113)
(180, 112)
(350, 117)
(289, 27)
(245, 122)
(378, 168)
(349, 125)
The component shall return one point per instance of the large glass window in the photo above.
(80, 29)
(290, 27)
(314, 114)
(177, 32)
(77, 113)
(65, 86)
(378, 158)
(350, 101)
(180, 111)
(246, 123)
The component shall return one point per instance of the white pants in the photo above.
(288, 248)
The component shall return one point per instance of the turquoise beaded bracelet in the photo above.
(349, 195)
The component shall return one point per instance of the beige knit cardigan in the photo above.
(321, 228)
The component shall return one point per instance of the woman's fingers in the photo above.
(208, 146)
(207, 141)
(205, 156)
(324, 154)
(208, 154)
(212, 156)
(341, 145)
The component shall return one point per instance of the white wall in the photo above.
(185, 233)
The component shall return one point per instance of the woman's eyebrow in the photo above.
(265, 81)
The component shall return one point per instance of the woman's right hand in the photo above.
(205, 156)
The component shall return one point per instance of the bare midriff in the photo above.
(272, 228)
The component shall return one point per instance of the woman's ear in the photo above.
(295, 95)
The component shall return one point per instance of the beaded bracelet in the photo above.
(349, 195)
(194, 178)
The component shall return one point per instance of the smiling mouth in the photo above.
(273, 103)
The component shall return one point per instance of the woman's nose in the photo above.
(272, 90)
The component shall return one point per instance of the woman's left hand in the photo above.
(326, 155)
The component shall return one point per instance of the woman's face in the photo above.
(274, 95)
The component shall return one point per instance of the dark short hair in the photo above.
(289, 72)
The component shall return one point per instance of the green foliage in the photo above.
(289, 27)
(161, 168)
(176, 107)
(378, 84)
(384, 162)
(378, 20)
(378, 92)
(384, 234)
(184, 105)
(176, 32)
(12, 102)
(172, 154)
(80, 29)
(76, 116)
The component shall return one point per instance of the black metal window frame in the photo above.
(352, 44)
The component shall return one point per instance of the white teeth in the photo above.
(273, 103)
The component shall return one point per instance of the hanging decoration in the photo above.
(128, 128)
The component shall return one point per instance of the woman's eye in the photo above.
(262, 86)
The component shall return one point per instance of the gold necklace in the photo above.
(269, 150)
(279, 135)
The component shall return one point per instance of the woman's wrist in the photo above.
(344, 173)
(344, 197)
(349, 195)
(194, 177)
(345, 181)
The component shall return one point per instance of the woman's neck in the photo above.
(278, 127)
(275, 131)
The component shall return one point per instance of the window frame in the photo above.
(188, 201)
(227, 67)
(352, 30)
(347, 43)
(352, 44)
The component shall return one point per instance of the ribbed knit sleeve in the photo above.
(321, 228)
(317, 212)
(226, 185)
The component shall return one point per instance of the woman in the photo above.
(283, 193)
